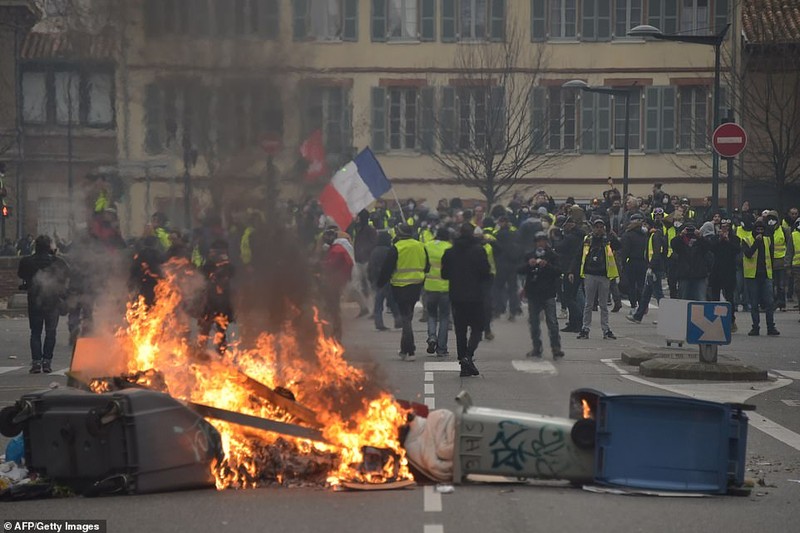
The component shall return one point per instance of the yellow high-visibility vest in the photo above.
(796, 244)
(670, 234)
(490, 257)
(410, 263)
(163, 238)
(426, 236)
(611, 264)
(433, 279)
(779, 237)
(245, 250)
(749, 264)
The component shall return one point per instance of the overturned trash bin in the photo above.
(129, 441)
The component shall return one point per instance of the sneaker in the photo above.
(584, 334)
(382, 328)
(431, 346)
(36, 368)
(46, 368)
(407, 356)
(609, 335)
(773, 332)
(563, 314)
(570, 329)
(633, 319)
(558, 354)
(617, 307)
(754, 332)
(468, 369)
(443, 354)
(534, 354)
(489, 336)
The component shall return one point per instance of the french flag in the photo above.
(353, 188)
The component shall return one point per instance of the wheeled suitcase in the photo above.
(132, 440)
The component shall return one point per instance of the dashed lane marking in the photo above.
(433, 528)
(429, 388)
(791, 374)
(792, 403)
(7, 369)
(428, 376)
(534, 367)
(432, 499)
(443, 366)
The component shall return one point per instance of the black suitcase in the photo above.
(133, 440)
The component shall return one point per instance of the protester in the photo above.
(757, 254)
(382, 293)
(217, 309)
(692, 258)
(598, 269)
(337, 269)
(437, 292)
(541, 279)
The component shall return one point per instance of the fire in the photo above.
(161, 354)
(587, 410)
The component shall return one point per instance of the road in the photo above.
(506, 381)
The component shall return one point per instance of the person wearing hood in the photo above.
(505, 291)
(692, 255)
(657, 251)
(382, 293)
(404, 269)
(569, 253)
(757, 258)
(634, 257)
(337, 269)
(726, 247)
(466, 267)
(540, 268)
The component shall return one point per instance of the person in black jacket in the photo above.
(569, 252)
(217, 309)
(541, 279)
(377, 258)
(466, 266)
(656, 266)
(691, 251)
(46, 277)
(727, 248)
(634, 257)
(505, 281)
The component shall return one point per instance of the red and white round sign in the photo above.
(729, 139)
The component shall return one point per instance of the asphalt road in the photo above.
(507, 381)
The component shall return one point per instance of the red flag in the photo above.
(313, 151)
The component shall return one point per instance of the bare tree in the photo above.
(492, 126)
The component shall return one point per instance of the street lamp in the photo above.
(716, 41)
(626, 93)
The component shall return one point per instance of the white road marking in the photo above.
(432, 499)
(428, 376)
(430, 402)
(429, 388)
(736, 392)
(62, 372)
(444, 366)
(7, 369)
(791, 374)
(534, 367)
(792, 403)
(433, 528)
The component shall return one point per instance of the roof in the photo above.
(771, 21)
(68, 45)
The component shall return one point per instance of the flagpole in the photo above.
(396, 199)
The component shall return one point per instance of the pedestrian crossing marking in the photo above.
(791, 374)
(7, 369)
(62, 372)
(792, 403)
(534, 367)
(443, 366)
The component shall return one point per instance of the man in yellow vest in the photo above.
(757, 253)
(598, 268)
(795, 251)
(437, 294)
(404, 269)
(779, 265)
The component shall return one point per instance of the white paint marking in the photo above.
(62, 372)
(7, 369)
(429, 388)
(430, 402)
(736, 392)
(729, 140)
(428, 376)
(449, 366)
(792, 403)
(791, 374)
(433, 500)
(433, 528)
(534, 367)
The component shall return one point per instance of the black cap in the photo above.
(599, 221)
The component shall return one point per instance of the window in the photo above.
(695, 17)
(403, 119)
(473, 20)
(659, 119)
(328, 108)
(177, 116)
(563, 16)
(231, 18)
(627, 15)
(326, 20)
(693, 119)
(634, 120)
(58, 95)
(402, 19)
(589, 20)
(561, 112)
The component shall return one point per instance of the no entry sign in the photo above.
(729, 139)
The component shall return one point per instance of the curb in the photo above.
(660, 368)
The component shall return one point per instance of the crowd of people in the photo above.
(469, 267)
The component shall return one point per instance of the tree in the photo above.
(491, 127)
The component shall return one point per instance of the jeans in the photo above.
(779, 286)
(596, 287)
(651, 288)
(467, 316)
(384, 294)
(406, 297)
(574, 300)
(535, 309)
(692, 289)
(506, 290)
(438, 305)
(39, 319)
(726, 289)
(760, 292)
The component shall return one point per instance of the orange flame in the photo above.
(157, 338)
(587, 410)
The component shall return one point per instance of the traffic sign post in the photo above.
(729, 140)
(708, 324)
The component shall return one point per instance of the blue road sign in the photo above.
(708, 323)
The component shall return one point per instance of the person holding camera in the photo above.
(541, 280)
(45, 276)
(757, 255)
(598, 269)
(692, 260)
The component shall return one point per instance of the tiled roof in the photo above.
(771, 21)
(68, 45)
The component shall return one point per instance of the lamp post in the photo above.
(716, 41)
(626, 93)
